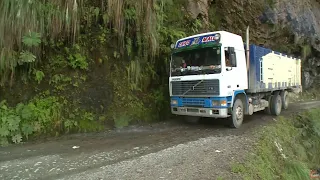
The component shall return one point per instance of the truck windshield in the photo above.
(197, 61)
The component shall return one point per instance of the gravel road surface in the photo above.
(168, 150)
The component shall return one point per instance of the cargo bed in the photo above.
(270, 70)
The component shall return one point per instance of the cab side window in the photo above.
(230, 57)
(227, 58)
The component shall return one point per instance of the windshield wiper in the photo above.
(195, 71)
(206, 71)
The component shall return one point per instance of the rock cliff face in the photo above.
(196, 8)
(302, 16)
(304, 19)
(268, 23)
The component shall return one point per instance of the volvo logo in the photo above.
(196, 41)
(211, 88)
(192, 88)
(176, 79)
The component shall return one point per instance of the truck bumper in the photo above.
(200, 112)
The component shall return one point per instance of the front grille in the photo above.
(196, 88)
(193, 102)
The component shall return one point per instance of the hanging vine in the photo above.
(35, 20)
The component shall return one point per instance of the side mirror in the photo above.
(233, 60)
(231, 50)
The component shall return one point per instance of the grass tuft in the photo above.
(289, 149)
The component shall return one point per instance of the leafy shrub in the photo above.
(39, 116)
(76, 59)
(39, 75)
(43, 116)
(81, 121)
(122, 121)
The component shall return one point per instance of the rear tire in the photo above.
(192, 119)
(276, 103)
(285, 100)
(267, 110)
(237, 116)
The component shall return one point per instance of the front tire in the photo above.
(237, 116)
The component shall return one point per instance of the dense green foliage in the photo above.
(43, 115)
(140, 31)
(297, 153)
(59, 47)
(23, 23)
(38, 116)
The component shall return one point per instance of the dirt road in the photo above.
(170, 150)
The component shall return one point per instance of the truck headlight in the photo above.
(215, 103)
(174, 102)
(219, 103)
(223, 103)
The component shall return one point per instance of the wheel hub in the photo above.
(239, 112)
(287, 101)
(279, 105)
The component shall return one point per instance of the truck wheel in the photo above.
(284, 99)
(267, 110)
(236, 118)
(192, 119)
(276, 105)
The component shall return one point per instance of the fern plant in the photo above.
(39, 75)
(32, 39)
(26, 57)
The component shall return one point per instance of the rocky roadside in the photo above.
(171, 150)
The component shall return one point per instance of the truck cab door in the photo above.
(231, 70)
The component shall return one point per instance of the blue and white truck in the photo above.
(216, 75)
